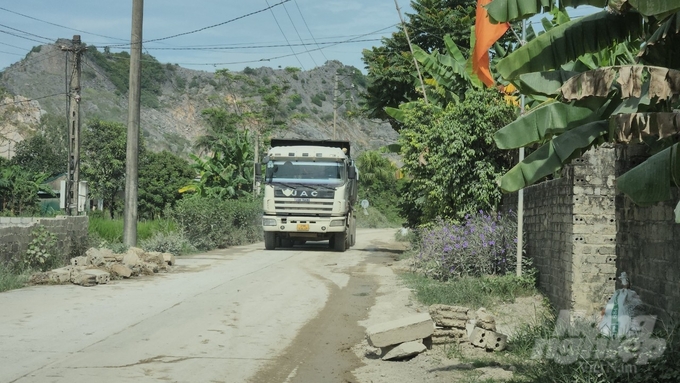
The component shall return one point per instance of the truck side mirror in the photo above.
(265, 160)
(352, 174)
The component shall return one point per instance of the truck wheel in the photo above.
(340, 242)
(269, 240)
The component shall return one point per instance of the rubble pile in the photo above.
(443, 324)
(99, 266)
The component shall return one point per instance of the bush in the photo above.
(42, 253)
(173, 243)
(10, 279)
(209, 223)
(482, 245)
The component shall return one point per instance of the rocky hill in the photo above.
(174, 97)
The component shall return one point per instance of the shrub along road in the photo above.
(234, 315)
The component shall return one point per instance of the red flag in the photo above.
(486, 34)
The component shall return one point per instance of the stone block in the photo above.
(79, 261)
(83, 279)
(489, 340)
(449, 316)
(137, 250)
(448, 335)
(121, 270)
(405, 350)
(131, 259)
(101, 277)
(169, 259)
(402, 330)
(61, 275)
(485, 320)
(94, 257)
(154, 257)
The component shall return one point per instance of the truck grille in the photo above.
(311, 207)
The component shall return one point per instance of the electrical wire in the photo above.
(298, 35)
(60, 26)
(13, 46)
(26, 33)
(309, 30)
(33, 99)
(208, 27)
(286, 38)
(249, 47)
(11, 53)
(22, 37)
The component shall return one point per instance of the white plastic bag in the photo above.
(620, 310)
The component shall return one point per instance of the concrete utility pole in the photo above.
(73, 166)
(132, 153)
(335, 104)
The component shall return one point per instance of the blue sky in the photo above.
(354, 24)
(107, 23)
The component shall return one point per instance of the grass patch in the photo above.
(473, 292)
(375, 219)
(111, 230)
(10, 280)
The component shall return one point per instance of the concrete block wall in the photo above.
(16, 233)
(570, 232)
(648, 244)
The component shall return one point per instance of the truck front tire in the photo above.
(340, 241)
(269, 240)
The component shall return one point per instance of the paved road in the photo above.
(222, 316)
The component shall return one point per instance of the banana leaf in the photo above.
(568, 41)
(543, 122)
(543, 83)
(550, 157)
(511, 10)
(651, 181)
(635, 127)
(654, 7)
(395, 113)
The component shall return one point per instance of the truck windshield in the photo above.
(306, 172)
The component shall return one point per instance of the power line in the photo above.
(308, 30)
(22, 37)
(33, 99)
(13, 46)
(11, 53)
(60, 26)
(26, 33)
(215, 25)
(218, 48)
(298, 35)
(284, 36)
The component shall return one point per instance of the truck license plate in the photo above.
(303, 227)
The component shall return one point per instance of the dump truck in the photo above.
(310, 189)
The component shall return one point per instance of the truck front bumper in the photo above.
(304, 226)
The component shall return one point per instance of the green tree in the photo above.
(623, 104)
(161, 175)
(19, 190)
(449, 157)
(378, 182)
(103, 152)
(46, 151)
(392, 77)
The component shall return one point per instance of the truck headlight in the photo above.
(338, 222)
(268, 222)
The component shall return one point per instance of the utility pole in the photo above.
(256, 162)
(73, 166)
(520, 194)
(335, 103)
(132, 153)
(408, 39)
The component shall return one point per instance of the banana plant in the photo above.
(629, 103)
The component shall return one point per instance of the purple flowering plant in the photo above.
(483, 244)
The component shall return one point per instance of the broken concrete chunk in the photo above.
(121, 270)
(485, 320)
(414, 327)
(61, 275)
(131, 259)
(405, 350)
(79, 261)
(154, 257)
(449, 316)
(101, 277)
(94, 257)
(489, 340)
(448, 335)
(83, 279)
(169, 259)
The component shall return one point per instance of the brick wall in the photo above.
(648, 245)
(16, 234)
(570, 230)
